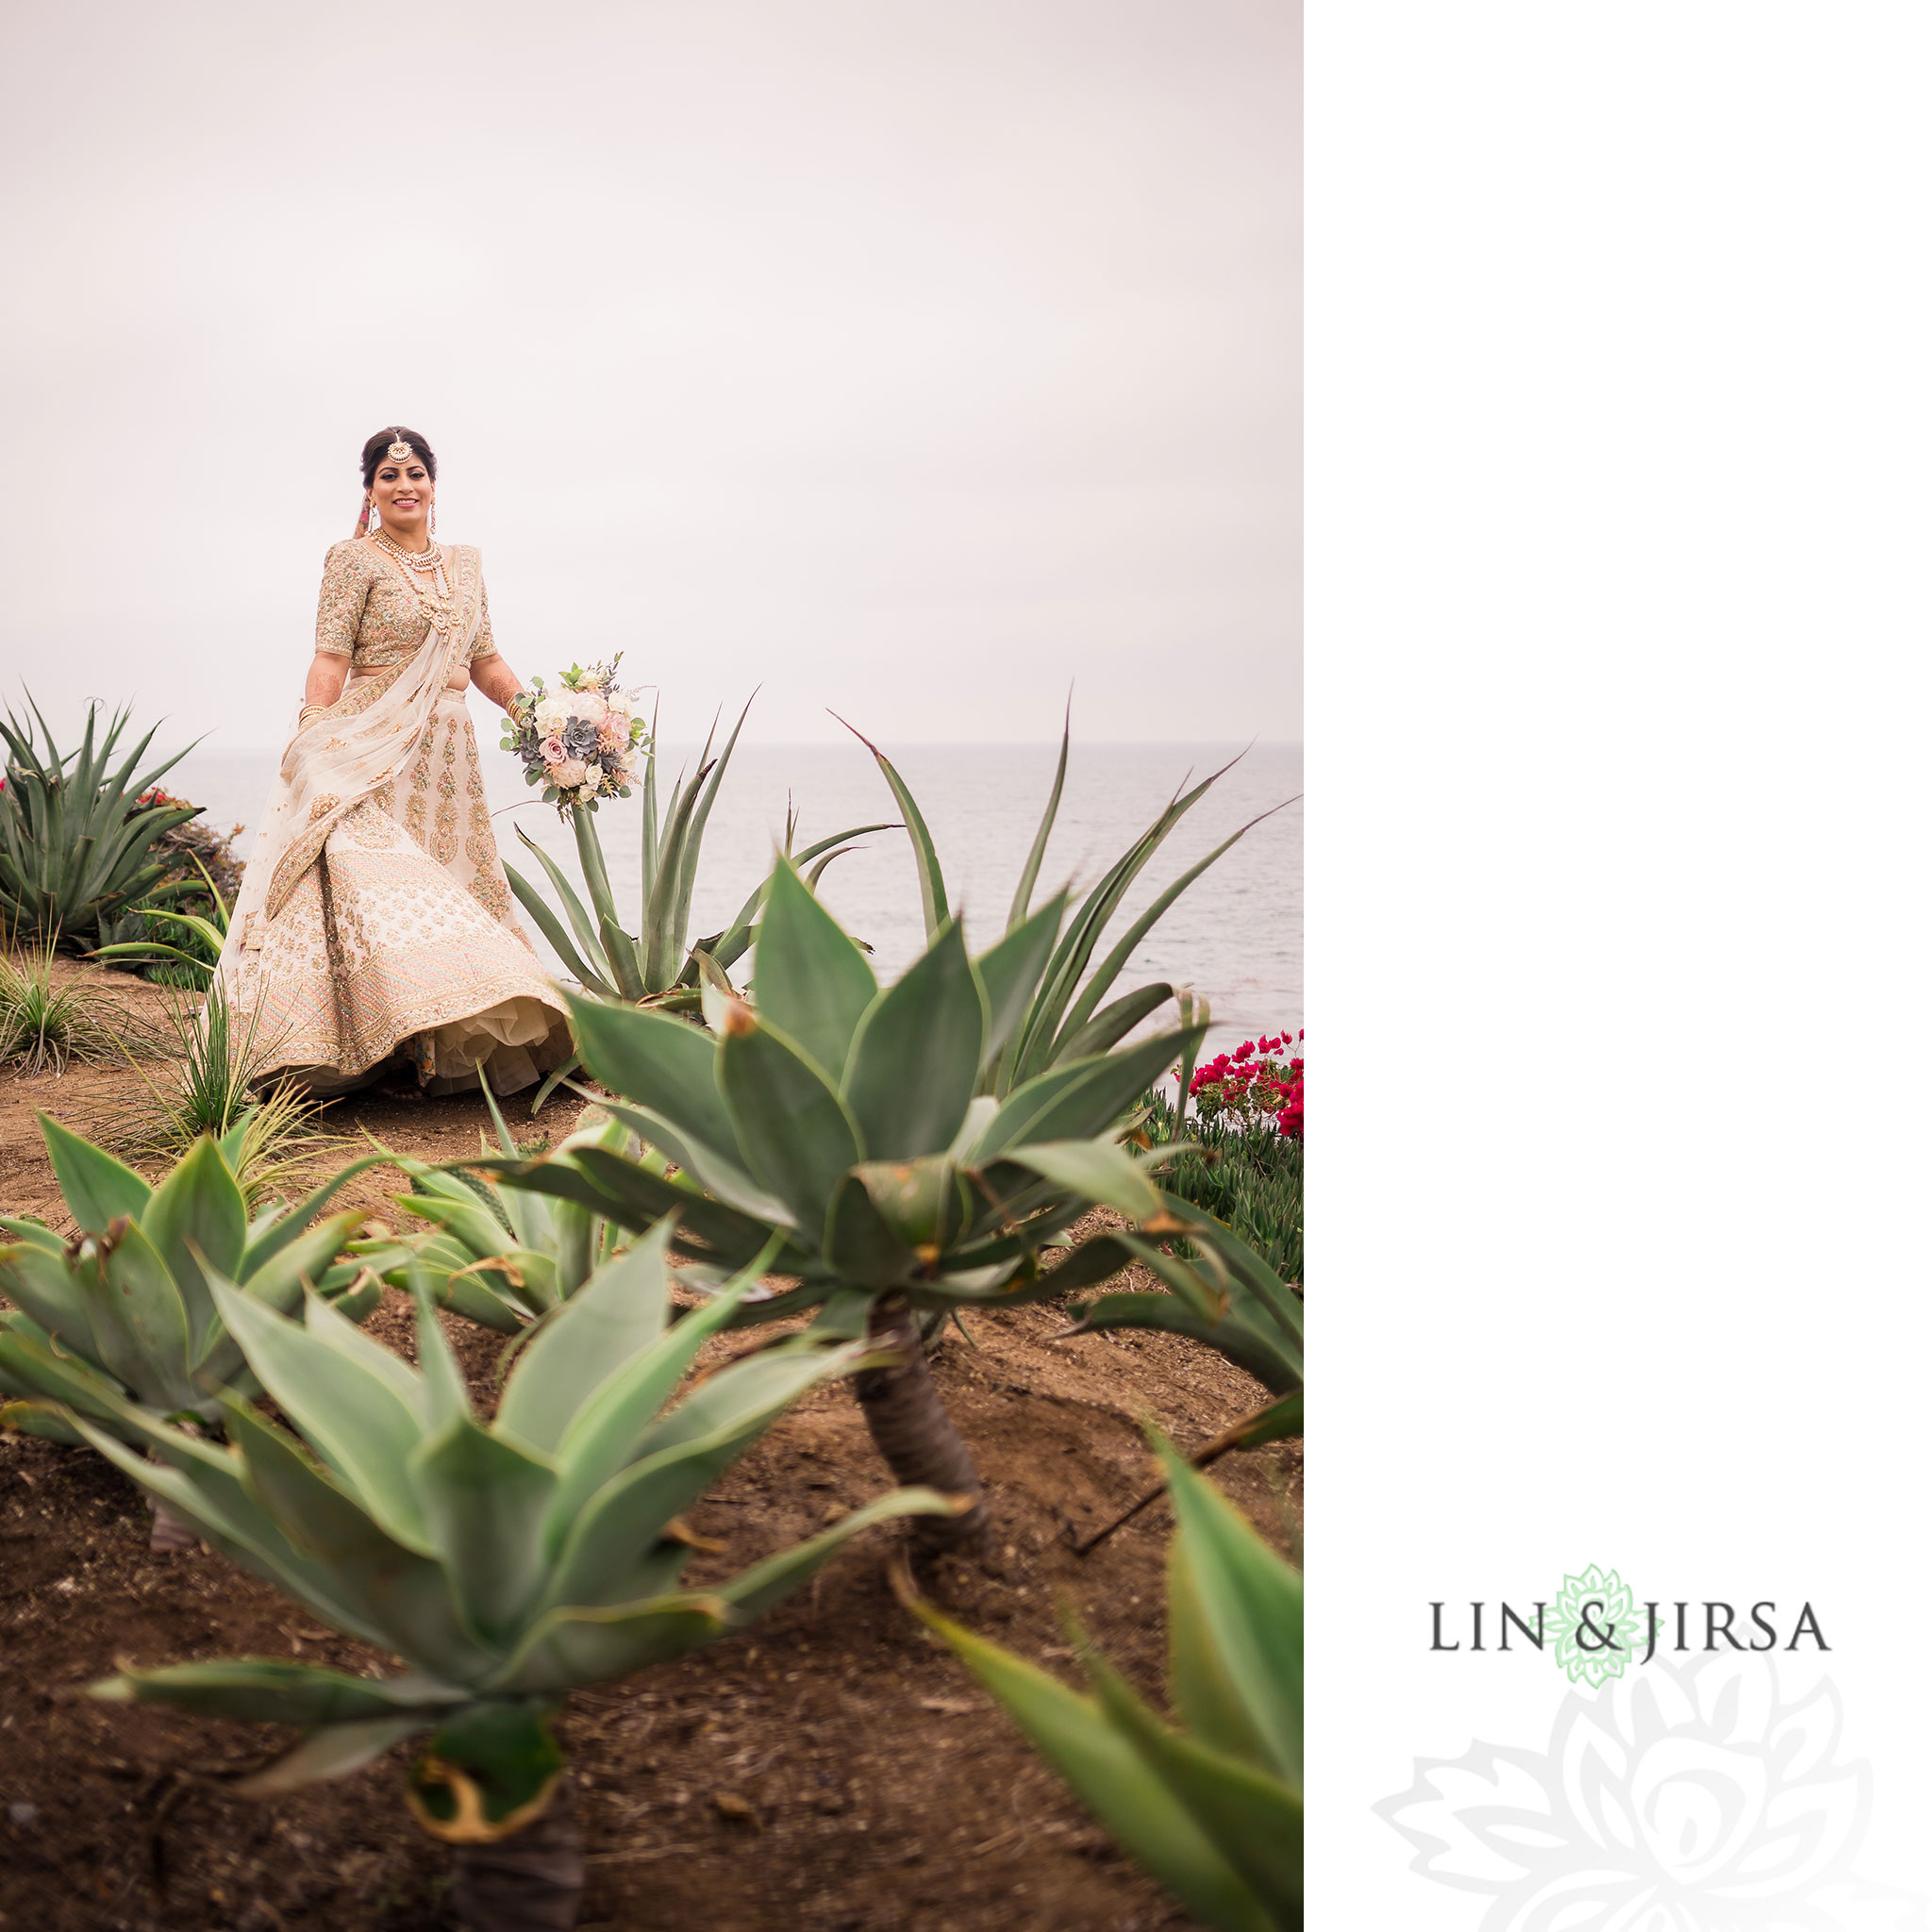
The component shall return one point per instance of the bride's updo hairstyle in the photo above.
(375, 451)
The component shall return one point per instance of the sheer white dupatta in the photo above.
(358, 745)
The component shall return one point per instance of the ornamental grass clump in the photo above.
(1210, 1804)
(840, 1118)
(213, 1084)
(119, 1328)
(505, 1563)
(77, 833)
(48, 1025)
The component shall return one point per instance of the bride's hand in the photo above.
(493, 677)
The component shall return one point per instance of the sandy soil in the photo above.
(831, 1769)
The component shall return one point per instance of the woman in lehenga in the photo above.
(375, 937)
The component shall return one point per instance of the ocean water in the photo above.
(1235, 935)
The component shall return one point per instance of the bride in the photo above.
(374, 936)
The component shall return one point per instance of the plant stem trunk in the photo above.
(168, 1535)
(912, 1430)
(532, 1882)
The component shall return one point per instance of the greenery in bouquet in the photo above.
(579, 743)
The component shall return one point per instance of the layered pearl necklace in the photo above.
(422, 562)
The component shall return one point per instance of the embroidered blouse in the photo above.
(370, 616)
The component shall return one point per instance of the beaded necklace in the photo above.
(421, 562)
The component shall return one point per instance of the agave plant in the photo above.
(1258, 1327)
(840, 1118)
(122, 1321)
(1064, 1020)
(204, 936)
(74, 842)
(504, 1565)
(661, 964)
(1211, 1806)
(505, 1258)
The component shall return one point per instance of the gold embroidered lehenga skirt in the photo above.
(400, 945)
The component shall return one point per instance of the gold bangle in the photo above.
(311, 713)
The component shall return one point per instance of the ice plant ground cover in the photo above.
(580, 741)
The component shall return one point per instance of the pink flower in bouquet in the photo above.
(588, 706)
(552, 749)
(613, 735)
(569, 775)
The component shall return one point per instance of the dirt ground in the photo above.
(831, 1769)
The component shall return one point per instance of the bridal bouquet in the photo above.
(580, 741)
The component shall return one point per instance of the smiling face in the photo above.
(403, 493)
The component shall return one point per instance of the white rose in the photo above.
(618, 705)
(588, 794)
(551, 715)
(594, 774)
(588, 706)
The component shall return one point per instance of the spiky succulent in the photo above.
(75, 837)
(1211, 1806)
(661, 963)
(1064, 1020)
(842, 1117)
(504, 1259)
(838, 1121)
(1258, 1327)
(504, 1562)
(123, 1319)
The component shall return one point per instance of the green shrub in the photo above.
(76, 834)
(1251, 1181)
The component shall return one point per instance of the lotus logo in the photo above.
(1689, 1798)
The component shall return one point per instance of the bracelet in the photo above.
(308, 714)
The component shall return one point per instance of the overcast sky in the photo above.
(910, 358)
